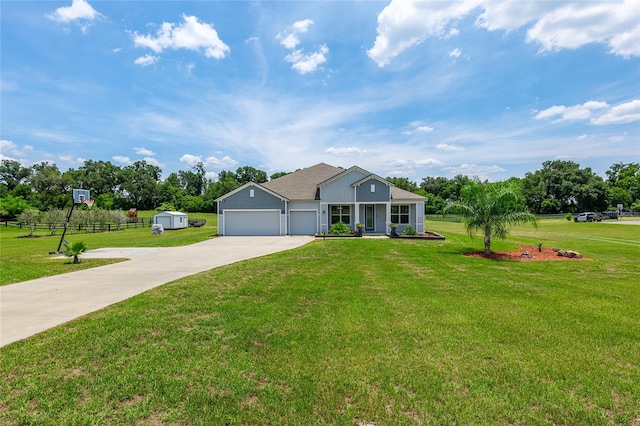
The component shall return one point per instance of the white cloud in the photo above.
(573, 25)
(455, 53)
(153, 162)
(302, 62)
(220, 163)
(474, 170)
(454, 32)
(190, 34)
(345, 152)
(213, 162)
(406, 23)
(306, 63)
(448, 147)
(146, 60)
(573, 113)
(144, 151)
(582, 137)
(424, 129)
(554, 25)
(619, 138)
(122, 159)
(619, 114)
(190, 160)
(79, 10)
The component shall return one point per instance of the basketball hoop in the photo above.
(88, 202)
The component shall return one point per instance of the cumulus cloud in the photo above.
(121, 159)
(573, 25)
(146, 60)
(406, 23)
(448, 147)
(306, 63)
(144, 151)
(455, 53)
(424, 129)
(572, 113)
(597, 112)
(191, 34)
(553, 25)
(301, 61)
(213, 162)
(481, 171)
(345, 152)
(623, 113)
(79, 10)
(153, 161)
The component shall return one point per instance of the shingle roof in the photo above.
(401, 194)
(302, 184)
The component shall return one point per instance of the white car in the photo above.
(588, 217)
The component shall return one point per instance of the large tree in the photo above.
(492, 208)
(562, 186)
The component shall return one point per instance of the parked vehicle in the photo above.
(588, 217)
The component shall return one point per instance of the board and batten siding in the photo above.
(381, 194)
(242, 200)
(340, 190)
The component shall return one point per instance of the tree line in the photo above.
(557, 187)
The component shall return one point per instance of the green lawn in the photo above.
(355, 332)
(28, 258)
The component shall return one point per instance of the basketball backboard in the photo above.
(80, 195)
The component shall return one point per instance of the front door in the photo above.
(369, 218)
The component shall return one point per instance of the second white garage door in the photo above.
(303, 222)
(251, 222)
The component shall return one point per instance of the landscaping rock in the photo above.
(570, 254)
(527, 255)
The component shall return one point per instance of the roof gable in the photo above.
(372, 176)
(255, 185)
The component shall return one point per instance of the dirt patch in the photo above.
(517, 255)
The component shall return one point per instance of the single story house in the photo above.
(171, 220)
(309, 201)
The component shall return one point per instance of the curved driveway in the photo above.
(30, 307)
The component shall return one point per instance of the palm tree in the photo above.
(492, 208)
(75, 250)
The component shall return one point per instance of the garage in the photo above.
(303, 222)
(251, 222)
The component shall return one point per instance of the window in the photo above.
(251, 193)
(400, 214)
(373, 187)
(340, 214)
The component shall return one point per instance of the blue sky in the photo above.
(401, 88)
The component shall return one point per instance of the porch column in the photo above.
(420, 217)
(387, 219)
(356, 216)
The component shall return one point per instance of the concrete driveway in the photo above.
(30, 307)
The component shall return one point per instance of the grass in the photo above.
(355, 332)
(16, 251)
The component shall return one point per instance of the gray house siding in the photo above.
(340, 190)
(243, 200)
(382, 192)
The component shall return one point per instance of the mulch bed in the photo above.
(545, 254)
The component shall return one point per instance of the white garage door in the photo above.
(252, 222)
(303, 222)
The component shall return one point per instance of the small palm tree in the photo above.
(75, 250)
(492, 208)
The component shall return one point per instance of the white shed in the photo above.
(171, 220)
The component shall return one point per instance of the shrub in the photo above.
(569, 217)
(409, 230)
(340, 228)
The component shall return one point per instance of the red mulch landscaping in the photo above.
(545, 254)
